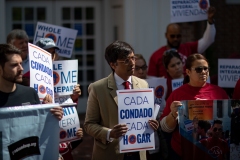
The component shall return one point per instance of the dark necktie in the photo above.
(126, 85)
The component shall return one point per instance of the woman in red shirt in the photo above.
(197, 88)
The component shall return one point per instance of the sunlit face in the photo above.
(12, 71)
(175, 68)
(140, 69)
(173, 36)
(124, 70)
(22, 44)
(217, 130)
(198, 79)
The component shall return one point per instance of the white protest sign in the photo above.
(228, 72)
(135, 108)
(63, 99)
(63, 37)
(29, 133)
(188, 10)
(176, 83)
(160, 90)
(69, 124)
(41, 74)
(65, 75)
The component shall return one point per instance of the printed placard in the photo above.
(135, 108)
(228, 72)
(188, 11)
(176, 83)
(41, 74)
(203, 110)
(159, 86)
(212, 136)
(63, 37)
(65, 75)
(69, 124)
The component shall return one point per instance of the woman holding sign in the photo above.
(197, 88)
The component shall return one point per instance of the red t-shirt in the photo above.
(187, 92)
(155, 66)
(236, 93)
(218, 148)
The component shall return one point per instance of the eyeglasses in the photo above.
(176, 36)
(217, 129)
(127, 60)
(170, 51)
(200, 69)
(144, 67)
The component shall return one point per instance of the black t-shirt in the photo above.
(21, 96)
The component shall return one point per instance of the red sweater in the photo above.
(156, 67)
(187, 92)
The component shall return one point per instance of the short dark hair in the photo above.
(204, 125)
(217, 121)
(117, 50)
(16, 34)
(140, 56)
(168, 55)
(7, 49)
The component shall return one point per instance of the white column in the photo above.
(145, 24)
(2, 22)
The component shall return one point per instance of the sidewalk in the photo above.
(84, 150)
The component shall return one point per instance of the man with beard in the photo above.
(173, 36)
(11, 71)
(19, 39)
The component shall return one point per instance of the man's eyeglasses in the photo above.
(127, 60)
(176, 36)
(217, 129)
(144, 67)
(200, 69)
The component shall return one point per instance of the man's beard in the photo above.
(13, 79)
(172, 46)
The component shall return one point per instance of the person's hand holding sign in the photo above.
(211, 13)
(118, 131)
(56, 111)
(76, 93)
(154, 124)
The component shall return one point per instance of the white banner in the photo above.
(65, 76)
(135, 108)
(63, 37)
(41, 74)
(159, 86)
(228, 72)
(29, 133)
(188, 10)
(69, 124)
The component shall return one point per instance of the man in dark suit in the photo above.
(101, 120)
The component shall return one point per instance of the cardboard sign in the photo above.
(135, 108)
(65, 74)
(228, 72)
(188, 11)
(64, 38)
(41, 73)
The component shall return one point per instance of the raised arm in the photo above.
(210, 32)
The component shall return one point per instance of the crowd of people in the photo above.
(129, 71)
